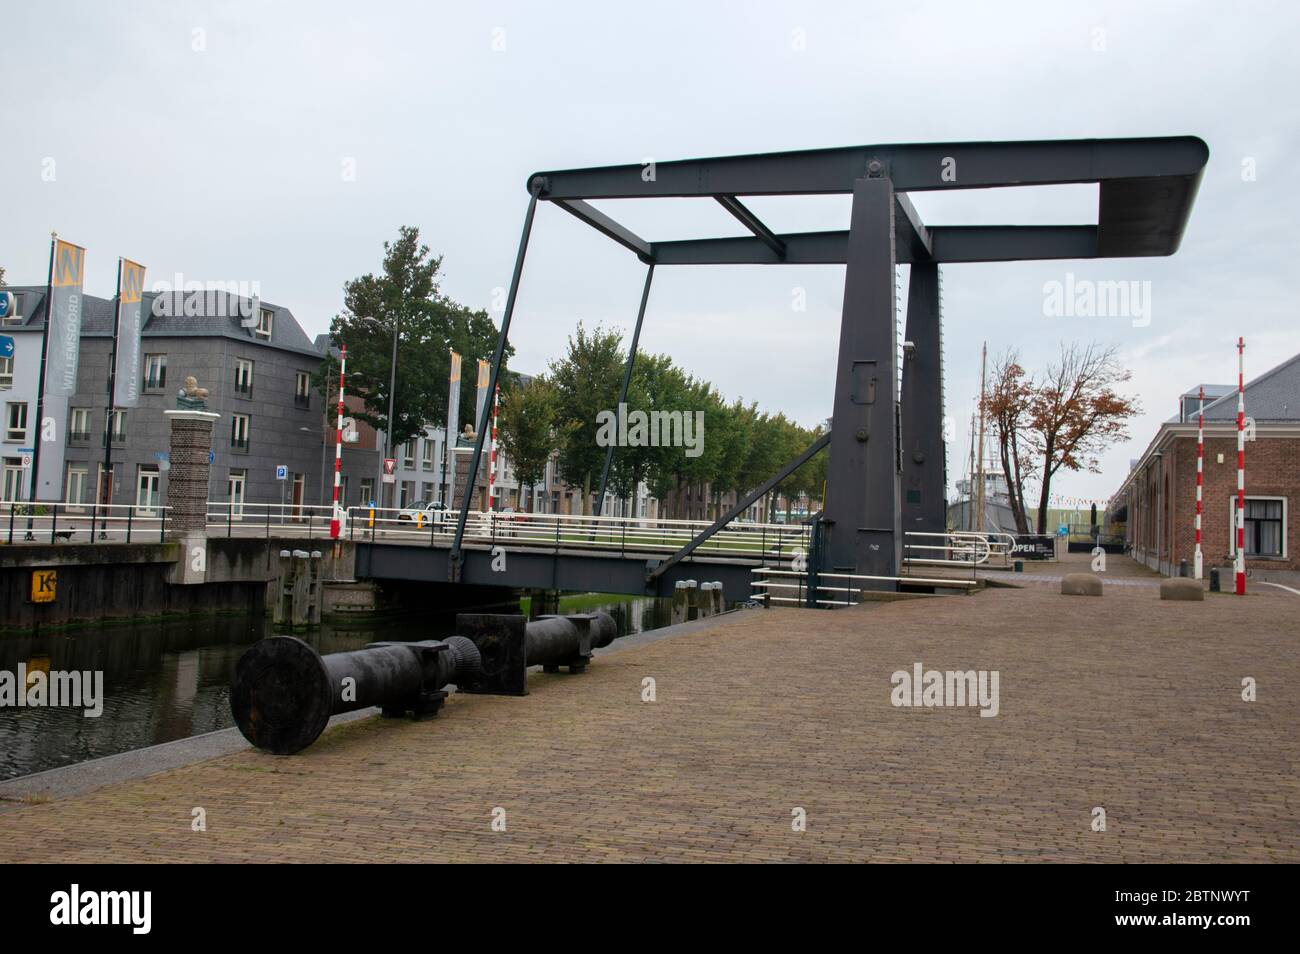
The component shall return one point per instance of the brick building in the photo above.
(1157, 501)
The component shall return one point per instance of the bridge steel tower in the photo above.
(886, 474)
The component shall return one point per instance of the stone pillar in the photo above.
(187, 479)
(187, 492)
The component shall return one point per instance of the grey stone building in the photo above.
(259, 376)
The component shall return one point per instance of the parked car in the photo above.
(426, 511)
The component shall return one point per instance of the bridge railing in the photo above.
(70, 522)
(771, 585)
(760, 541)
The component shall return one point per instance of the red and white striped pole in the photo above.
(336, 514)
(1239, 564)
(1200, 478)
(492, 455)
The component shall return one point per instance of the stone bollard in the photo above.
(719, 604)
(1180, 589)
(1081, 584)
(301, 591)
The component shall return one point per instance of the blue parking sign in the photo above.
(281, 472)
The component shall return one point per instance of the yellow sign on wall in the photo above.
(44, 585)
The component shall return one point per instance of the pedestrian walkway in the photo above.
(1125, 703)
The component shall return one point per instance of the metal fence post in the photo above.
(130, 512)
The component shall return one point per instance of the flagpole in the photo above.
(106, 490)
(40, 391)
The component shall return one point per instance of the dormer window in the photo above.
(264, 319)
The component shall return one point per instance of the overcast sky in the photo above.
(216, 141)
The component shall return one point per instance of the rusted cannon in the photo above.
(284, 691)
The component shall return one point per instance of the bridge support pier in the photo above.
(923, 452)
(861, 511)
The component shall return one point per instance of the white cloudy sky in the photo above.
(225, 162)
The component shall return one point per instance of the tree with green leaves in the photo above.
(587, 381)
(526, 429)
(406, 296)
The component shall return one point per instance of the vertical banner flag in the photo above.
(64, 318)
(130, 323)
(480, 394)
(453, 427)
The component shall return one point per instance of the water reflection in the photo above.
(171, 680)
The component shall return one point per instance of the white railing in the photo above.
(776, 542)
(762, 588)
(71, 522)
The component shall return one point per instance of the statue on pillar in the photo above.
(192, 397)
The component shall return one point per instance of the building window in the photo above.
(79, 425)
(408, 491)
(118, 429)
(16, 421)
(155, 372)
(239, 426)
(367, 492)
(13, 487)
(1265, 526)
(243, 377)
(235, 484)
(302, 389)
(264, 318)
(77, 484)
(6, 372)
(408, 455)
(427, 461)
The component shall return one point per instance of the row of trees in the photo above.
(557, 411)
(561, 411)
(1059, 420)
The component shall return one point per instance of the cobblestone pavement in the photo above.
(1123, 703)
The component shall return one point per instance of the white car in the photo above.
(423, 511)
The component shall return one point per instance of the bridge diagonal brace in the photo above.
(627, 381)
(498, 357)
(740, 507)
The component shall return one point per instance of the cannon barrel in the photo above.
(555, 640)
(284, 692)
(510, 644)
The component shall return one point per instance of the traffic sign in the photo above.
(8, 305)
(390, 468)
(212, 456)
(27, 461)
(1062, 530)
(281, 472)
(6, 346)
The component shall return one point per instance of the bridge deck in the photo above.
(1126, 703)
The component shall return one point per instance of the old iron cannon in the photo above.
(510, 644)
(284, 691)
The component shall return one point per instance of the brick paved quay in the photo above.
(1122, 702)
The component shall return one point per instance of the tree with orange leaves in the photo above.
(1075, 412)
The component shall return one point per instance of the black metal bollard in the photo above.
(284, 692)
(510, 644)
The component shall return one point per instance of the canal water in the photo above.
(171, 680)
